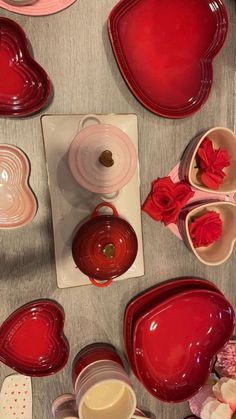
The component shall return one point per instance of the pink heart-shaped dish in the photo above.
(38, 8)
(175, 343)
(18, 204)
(24, 85)
(32, 341)
(222, 138)
(165, 48)
(218, 252)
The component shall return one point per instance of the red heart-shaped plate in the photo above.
(32, 341)
(165, 48)
(24, 85)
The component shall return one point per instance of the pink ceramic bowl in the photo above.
(101, 385)
(222, 138)
(220, 251)
(64, 407)
(106, 393)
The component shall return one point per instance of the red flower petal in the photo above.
(211, 164)
(166, 200)
(150, 208)
(206, 229)
(183, 193)
(212, 180)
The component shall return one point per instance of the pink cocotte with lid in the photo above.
(102, 158)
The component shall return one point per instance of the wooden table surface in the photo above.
(73, 47)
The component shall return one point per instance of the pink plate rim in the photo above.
(40, 8)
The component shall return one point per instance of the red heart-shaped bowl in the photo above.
(176, 341)
(165, 48)
(24, 85)
(148, 299)
(32, 341)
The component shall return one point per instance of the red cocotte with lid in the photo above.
(105, 246)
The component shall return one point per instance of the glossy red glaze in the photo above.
(93, 237)
(32, 340)
(24, 85)
(175, 343)
(147, 300)
(165, 48)
(93, 353)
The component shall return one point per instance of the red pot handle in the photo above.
(104, 204)
(101, 284)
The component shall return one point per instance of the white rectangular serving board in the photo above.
(71, 204)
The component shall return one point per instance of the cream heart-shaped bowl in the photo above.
(222, 138)
(218, 252)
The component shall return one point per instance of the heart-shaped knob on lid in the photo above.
(32, 341)
(102, 158)
(105, 246)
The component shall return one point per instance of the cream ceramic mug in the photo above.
(103, 390)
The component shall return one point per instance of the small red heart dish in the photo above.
(32, 341)
(24, 85)
(219, 251)
(165, 48)
(18, 204)
(221, 138)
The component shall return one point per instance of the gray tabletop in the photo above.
(73, 47)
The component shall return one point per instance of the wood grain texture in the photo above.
(73, 47)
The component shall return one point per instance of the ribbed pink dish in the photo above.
(40, 8)
(18, 204)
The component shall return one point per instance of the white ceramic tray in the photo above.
(71, 204)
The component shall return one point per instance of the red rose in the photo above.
(206, 229)
(211, 163)
(166, 200)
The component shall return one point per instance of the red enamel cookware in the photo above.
(105, 246)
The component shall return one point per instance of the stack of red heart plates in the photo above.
(172, 333)
(24, 85)
(165, 48)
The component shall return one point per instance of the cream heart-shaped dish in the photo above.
(218, 252)
(18, 204)
(221, 138)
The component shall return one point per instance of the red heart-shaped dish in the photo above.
(32, 341)
(24, 85)
(176, 341)
(165, 48)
